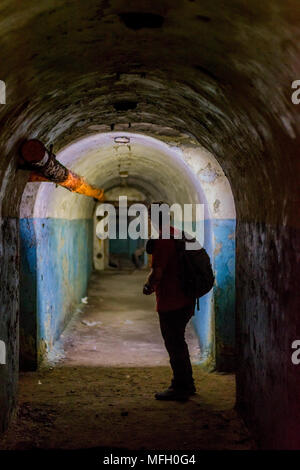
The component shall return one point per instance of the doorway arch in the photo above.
(59, 224)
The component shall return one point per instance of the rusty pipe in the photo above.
(45, 167)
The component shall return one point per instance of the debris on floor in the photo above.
(91, 323)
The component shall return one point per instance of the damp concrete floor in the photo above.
(119, 325)
(98, 392)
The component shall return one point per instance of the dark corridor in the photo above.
(188, 102)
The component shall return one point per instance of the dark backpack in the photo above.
(196, 274)
(197, 277)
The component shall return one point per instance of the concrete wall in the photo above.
(28, 296)
(56, 262)
(268, 383)
(215, 320)
(224, 293)
(9, 317)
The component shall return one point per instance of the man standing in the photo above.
(174, 308)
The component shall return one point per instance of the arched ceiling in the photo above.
(151, 166)
(182, 174)
(219, 70)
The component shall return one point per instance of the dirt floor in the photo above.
(100, 392)
(87, 407)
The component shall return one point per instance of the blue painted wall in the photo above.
(224, 292)
(203, 319)
(56, 269)
(56, 263)
(126, 247)
(28, 296)
(214, 322)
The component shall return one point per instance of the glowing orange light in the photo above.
(74, 183)
(34, 153)
(79, 185)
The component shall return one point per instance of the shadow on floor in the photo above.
(91, 407)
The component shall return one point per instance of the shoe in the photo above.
(192, 390)
(173, 395)
(191, 387)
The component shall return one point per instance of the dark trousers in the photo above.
(172, 326)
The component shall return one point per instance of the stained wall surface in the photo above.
(219, 71)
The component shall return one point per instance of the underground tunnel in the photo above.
(60, 223)
(176, 101)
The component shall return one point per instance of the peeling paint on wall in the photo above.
(56, 265)
(224, 293)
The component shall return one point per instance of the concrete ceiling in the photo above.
(182, 174)
(220, 71)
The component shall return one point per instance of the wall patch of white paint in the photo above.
(2, 353)
(2, 92)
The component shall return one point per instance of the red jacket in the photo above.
(169, 293)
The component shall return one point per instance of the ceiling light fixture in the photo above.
(122, 140)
